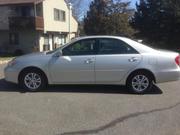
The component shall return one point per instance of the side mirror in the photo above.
(58, 54)
(140, 41)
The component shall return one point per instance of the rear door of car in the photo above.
(113, 60)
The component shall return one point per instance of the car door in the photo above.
(114, 59)
(77, 64)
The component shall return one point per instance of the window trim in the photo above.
(95, 49)
(98, 50)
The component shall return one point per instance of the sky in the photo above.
(133, 3)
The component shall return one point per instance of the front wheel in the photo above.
(140, 83)
(32, 80)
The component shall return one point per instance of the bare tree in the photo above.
(79, 8)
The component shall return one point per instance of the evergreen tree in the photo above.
(95, 21)
(108, 17)
(158, 21)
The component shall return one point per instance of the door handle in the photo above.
(133, 59)
(88, 61)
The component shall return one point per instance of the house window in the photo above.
(39, 10)
(62, 15)
(59, 15)
(62, 39)
(14, 38)
(46, 46)
(56, 15)
(46, 40)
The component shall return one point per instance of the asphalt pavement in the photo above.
(89, 110)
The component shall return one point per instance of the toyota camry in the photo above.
(107, 60)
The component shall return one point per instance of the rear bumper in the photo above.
(11, 75)
(168, 76)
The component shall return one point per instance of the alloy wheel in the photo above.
(140, 83)
(32, 81)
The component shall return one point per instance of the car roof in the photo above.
(98, 36)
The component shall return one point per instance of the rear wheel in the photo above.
(140, 83)
(32, 80)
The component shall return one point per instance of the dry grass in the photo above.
(6, 58)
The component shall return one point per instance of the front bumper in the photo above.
(11, 74)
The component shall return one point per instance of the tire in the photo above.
(140, 82)
(32, 80)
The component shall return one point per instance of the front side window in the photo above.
(84, 47)
(114, 46)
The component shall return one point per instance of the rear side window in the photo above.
(114, 46)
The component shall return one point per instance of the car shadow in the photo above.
(105, 89)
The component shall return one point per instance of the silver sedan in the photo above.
(96, 60)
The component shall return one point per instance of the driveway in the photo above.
(89, 110)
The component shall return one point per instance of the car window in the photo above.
(83, 47)
(114, 46)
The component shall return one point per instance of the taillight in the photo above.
(178, 60)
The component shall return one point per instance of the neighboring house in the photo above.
(35, 25)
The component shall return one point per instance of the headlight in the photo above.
(12, 63)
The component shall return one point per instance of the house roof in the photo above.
(11, 2)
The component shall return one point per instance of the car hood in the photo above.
(33, 56)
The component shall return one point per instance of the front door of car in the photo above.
(76, 65)
(114, 60)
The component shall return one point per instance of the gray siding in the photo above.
(5, 13)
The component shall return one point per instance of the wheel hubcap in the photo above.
(140, 83)
(32, 81)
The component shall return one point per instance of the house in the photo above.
(35, 25)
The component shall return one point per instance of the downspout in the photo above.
(70, 8)
(37, 45)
